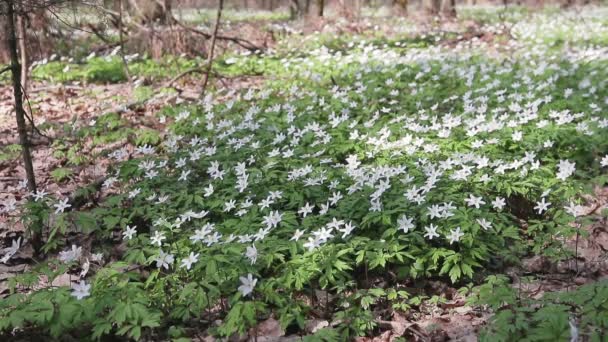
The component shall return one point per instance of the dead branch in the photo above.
(181, 75)
(238, 41)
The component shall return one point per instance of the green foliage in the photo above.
(556, 316)
(393, 94)
(60, 174)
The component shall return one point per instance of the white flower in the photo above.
(306, 209)
(565, 169)
(517, 136)
(81, 290)
(252, 254)
(129, 232)
(348, 228)
(431, 231)
(134, 193)
(38, 195)
(158, 238)
(499, 203)
(297, 235)
(473, 201)
(164, 260)
(71, 254)
(62, 205)
(191, 259)
(313, 242)
(485, 224)
(574, 209)
(542, 206)
(455, 235)
(247, 284)
(10, 251)
(208, 191)
(405, 224)
(273, 219)
(604, 161)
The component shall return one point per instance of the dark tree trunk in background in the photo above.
(152, 10)
(400, 6)
(11, 44)
(448, 8)
(11, 41)
(320, 7)
(431, 6)
(295, 10)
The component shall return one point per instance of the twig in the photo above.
(185, 73)
(30, 117)
(5, 70)
(212, 48)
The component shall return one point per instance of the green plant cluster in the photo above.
(580, 314)
(326, 195)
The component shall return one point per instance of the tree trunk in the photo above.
(400, 7)
(18, 94)
(148, 11)
(431, 7)
(295, 11)
(448, 8)
(23, 51)
(11, 43)
(212, 47)
(320, 7)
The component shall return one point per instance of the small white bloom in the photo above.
(129, 232)
(164, 260)
(542, 206)
(247, 284)
(191, 259)
(455, 235)
(81, 290)
(62, 205)
(252, 254)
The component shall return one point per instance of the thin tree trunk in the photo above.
(321, 6)
(448, 8)
(212, 48)
(400, 6)
(431, 7)
(11, 42)
(121, 42)
(23, 51)
(18, 94)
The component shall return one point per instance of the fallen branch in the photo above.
(181, 75)
(239, 41)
